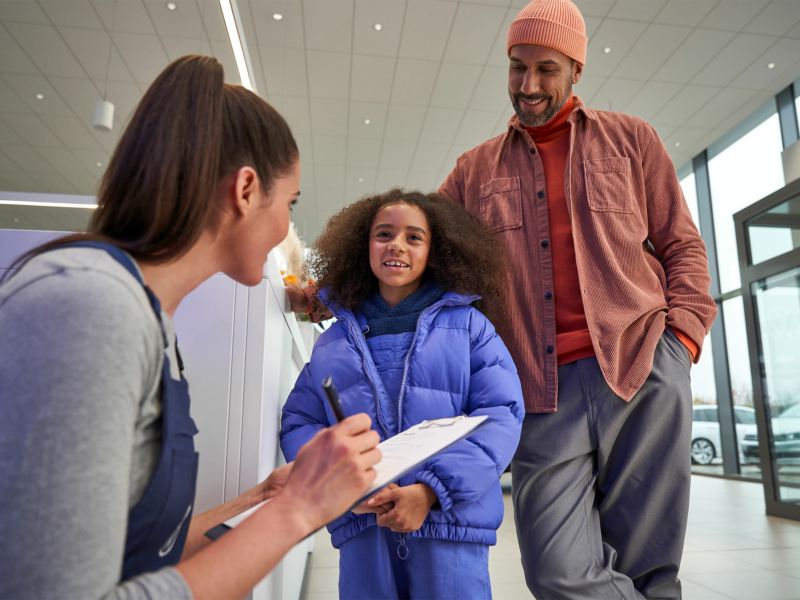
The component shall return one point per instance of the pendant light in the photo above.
(103, 109)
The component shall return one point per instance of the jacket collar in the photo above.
(340, 312)
(580, 107)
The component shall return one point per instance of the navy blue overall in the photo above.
(158, 524)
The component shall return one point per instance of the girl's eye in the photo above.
(415, 237)
(383, 234)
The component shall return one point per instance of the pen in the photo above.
(333, 398)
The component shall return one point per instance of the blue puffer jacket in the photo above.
(457, 365)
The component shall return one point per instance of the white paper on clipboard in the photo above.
(406, 451)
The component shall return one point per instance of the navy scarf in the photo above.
(383, 320)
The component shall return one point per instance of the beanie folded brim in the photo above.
(548, 33)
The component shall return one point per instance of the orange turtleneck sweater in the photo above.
(573, 341)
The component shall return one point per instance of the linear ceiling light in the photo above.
(48, 204)
(236, 43)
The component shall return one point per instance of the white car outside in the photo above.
(706, 444)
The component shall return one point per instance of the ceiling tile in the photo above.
(72, 13)
(22, 11)
(91, 48)
(12, 57)
(33, 130)
(330, 151)
(686, 13)
(733, 15)
(64, 161)
(8, 135)
(592, 24)
(397, 155)
(717, 110)
(429, 157)
(620, 36)
(614, 94)
(684, 104)
(587, 86)
(474, 32)
(685, 136)
(364, 152)
(143, 54)
(184, 22)
(329, 117)
(491, 93)
(258, 72)
(284, 70)
(355, 189)
(404, 123)
(441, 125)
(366, 40)
(777, 18)
(360, 112)
(46, 48)
(29, 159)
(286, 33)
(695, 52)
(297, 112)
(22, 182)
(498, 56)
(476, 128)
(329, 74)
(757, 76)
(213, 21)
(795, 32)
(372, 78)
(10, 101)
(424, 181)
(125, 16)
(125, 96)
(651, 98)
(651, 51)
(636, 10)
(664, 131)
(389, 178)
(329, 25)
(414, 81)
(502, 3)
(455, 85)
(329, 178)
(27, 86)
(177, 47)
(728, 64)
(426, 29)
(593, 8)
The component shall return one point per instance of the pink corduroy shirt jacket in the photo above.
(641, 262)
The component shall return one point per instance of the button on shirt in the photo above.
(640, 260)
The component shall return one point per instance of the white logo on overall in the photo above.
(170, 543)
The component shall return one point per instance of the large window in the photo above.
(740, 173)
(689, 187)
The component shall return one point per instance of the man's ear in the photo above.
(245, 187)
(577, 71)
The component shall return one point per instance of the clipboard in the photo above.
(403, 453)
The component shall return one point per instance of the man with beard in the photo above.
(608, 306)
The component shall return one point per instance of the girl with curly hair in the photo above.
(411, 278)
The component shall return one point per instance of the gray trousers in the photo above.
(601, 486)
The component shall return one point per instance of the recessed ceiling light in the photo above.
(39, 97)
(377, 27)
(360, 180)
(677, 144)
(607, 49)
(99, 164)
(277, 16)
(771, 66)
(366, 121)
(172, 5)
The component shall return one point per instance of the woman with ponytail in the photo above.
(97, 462)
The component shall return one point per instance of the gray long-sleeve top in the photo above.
(81, 353)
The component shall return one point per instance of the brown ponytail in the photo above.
(189, 131)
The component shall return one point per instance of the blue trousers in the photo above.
(370, 568)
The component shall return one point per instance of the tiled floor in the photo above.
(732, 550)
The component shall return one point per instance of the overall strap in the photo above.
(124, 259)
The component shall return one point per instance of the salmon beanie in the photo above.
(557, 24)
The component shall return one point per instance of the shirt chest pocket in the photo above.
(608, 184)
(501, 204)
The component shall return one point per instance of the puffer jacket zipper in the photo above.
(378, 411)
(411, 349)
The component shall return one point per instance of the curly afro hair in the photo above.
(465, 255)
